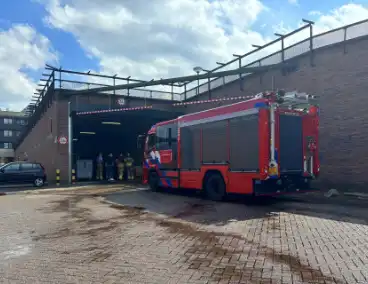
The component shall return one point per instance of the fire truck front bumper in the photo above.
(283, 185)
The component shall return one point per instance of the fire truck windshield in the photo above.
(151, 141)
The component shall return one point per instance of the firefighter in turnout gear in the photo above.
(99, 167)
(110, 167)
(129, 166)
(120, 166)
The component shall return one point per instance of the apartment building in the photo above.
(11, 125)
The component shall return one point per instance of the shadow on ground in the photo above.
(189, 206)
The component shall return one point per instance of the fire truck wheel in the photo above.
(153, 181)
(215, 188)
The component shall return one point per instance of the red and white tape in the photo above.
(215, 100)
(113, 110)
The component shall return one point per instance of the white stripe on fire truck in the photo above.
(219, 117)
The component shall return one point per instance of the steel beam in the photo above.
(48, 67)
(183, 79)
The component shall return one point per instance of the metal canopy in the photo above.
(66, 71)
(242, 70)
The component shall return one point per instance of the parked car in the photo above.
(23, 173)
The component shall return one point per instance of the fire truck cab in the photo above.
(263, 146)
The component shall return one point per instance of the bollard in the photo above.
(73, 176)
(57, 177)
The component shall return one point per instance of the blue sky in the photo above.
(72, 56)
(32, 13)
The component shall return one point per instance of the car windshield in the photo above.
(3, 166)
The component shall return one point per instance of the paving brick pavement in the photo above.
(79, 239)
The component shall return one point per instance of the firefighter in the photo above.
(129, 166)
(99, 167)
(110, 167)
(25, 157)
(120, 166)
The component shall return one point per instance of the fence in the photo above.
(68, 79)
(139, 92)
(285, 47)
(47, 83)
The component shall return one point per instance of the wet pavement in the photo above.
(176, 238)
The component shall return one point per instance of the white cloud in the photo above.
(21, 48)
(293, 2)
(314, 13)
(162, 38)
(341, 16)
(338, 17)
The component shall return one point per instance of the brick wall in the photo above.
(341, 79)
(40, 142)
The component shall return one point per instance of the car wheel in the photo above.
(153, 181)
(215, 188)
(38, 182)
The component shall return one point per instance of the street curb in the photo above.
(144, 211)
(8, 193)
(126, 190)
(118, 205)
(119, 187)
(360, 195)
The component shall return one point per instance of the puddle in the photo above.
(15, 246)
(16, 251)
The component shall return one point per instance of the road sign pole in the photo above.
(70, 144)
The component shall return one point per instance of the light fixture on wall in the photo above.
(87, 133)
(111, 122)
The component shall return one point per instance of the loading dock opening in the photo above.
(110, 132)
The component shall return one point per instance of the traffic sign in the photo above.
(121, 102)
(63, 140)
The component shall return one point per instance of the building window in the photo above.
(8, 145)
(8, 121)
(21, 122)
(17, 133)
(8, 133)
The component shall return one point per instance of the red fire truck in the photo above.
(263, 146)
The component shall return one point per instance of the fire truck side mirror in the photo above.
(140, 141)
